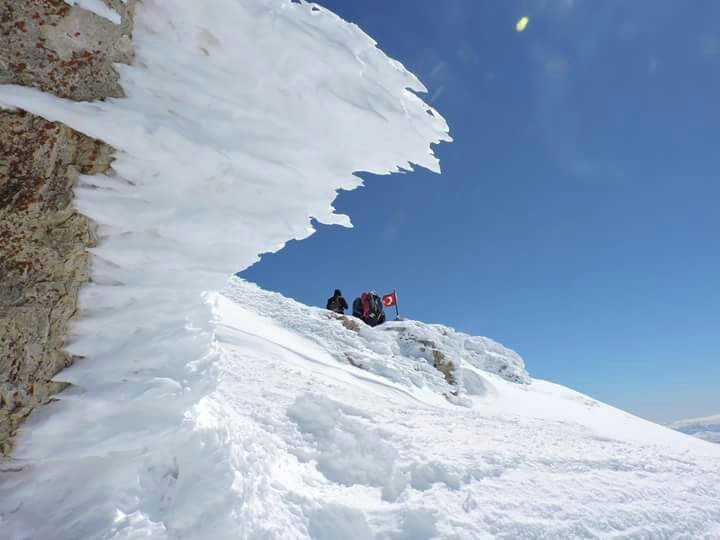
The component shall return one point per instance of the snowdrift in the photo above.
(196, 414)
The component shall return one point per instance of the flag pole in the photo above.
(397, 311)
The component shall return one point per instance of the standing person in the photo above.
(337, 303)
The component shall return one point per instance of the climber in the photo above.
(337, 303)
(369, 308)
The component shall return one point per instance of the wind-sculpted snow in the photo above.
(242, 120)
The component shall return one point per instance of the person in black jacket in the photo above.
(337, 303)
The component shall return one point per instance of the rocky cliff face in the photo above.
(44, 260)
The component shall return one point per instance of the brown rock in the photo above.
(64, 50)
(43, 256)
(69, 52)
(444, 366)
(351, 324)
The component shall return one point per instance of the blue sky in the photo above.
(576, 220)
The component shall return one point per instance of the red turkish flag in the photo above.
(389, 300)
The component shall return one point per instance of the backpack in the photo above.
(376, 305)
(375, 309)
(335, 304)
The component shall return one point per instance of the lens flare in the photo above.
(522, 24)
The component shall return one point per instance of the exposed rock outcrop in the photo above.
(445, 366)
(44, 256)
(64, 50)
(69, 52)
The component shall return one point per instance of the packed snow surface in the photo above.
(706, 428)
(320, 428)
(201, 415)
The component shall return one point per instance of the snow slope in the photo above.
(707, 428)
(196, 414)
(387, 451)
(319, 429)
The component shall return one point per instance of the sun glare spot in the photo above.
(522, 24)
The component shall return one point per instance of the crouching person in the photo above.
(369, 308)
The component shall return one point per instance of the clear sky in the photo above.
(577, 217)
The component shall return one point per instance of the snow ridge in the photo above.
(403, 352)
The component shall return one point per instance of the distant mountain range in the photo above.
(707, 428)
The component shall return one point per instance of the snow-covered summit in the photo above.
(706, 428)
(408, 352)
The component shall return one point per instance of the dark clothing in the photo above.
(368, 308)
(358, 308)
(376, 320)
(337, 304)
